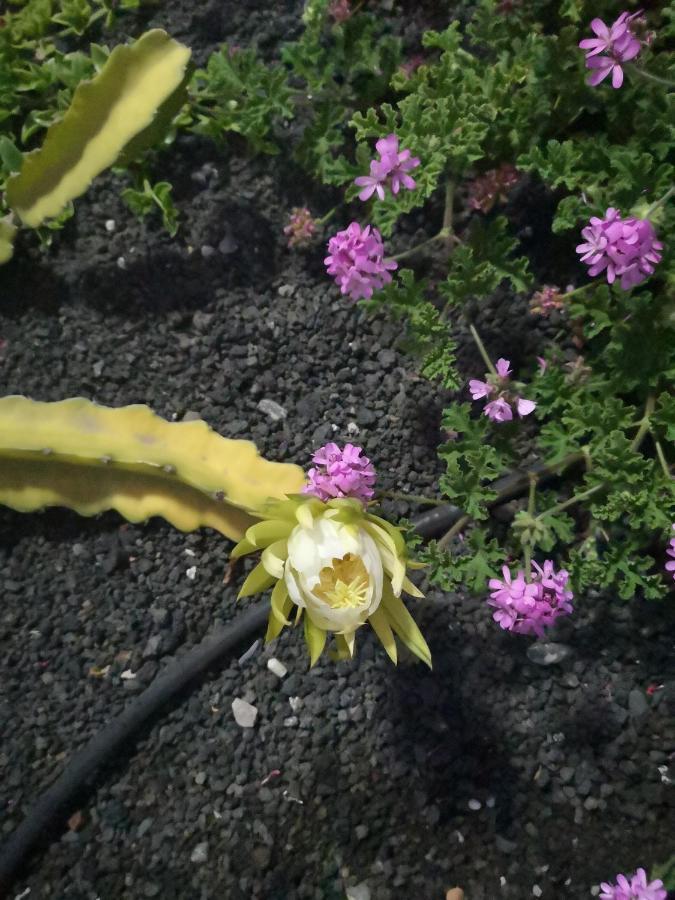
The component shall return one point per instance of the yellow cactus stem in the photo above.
(339, 565)
(91, 458)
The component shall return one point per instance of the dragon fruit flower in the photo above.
(390, 170)
(500, 409)
(335, 566)
(618, 43)
(530, 605)
(635, 888)
(356, 259)
(341, 473)
(627, 249)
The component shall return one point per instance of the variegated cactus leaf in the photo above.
(132, 460)
(105, 115)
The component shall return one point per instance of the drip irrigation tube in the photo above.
(53, 808)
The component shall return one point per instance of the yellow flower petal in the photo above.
(404, 625)
(382, 629)
(262, 534)
(316, 640)
(258, 580)
(280, 608)
(274, 557)
(411, 589)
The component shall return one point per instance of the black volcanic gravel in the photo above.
(508, 778)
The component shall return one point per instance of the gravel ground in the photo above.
(509, 778)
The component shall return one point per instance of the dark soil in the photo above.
(508, 778)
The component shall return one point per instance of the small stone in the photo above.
(207, 250)
(244, 713)
(295, 703)
(273, 410)
(361, 832)
(144, 827)
(291, 722)
(358, 892)
(547, 654)
(536, 891)
(191, 573)
(200, 778)
(98, 368)
(474, 805)
(152, 646)
(201, 853)
(121, 262)
(277, 668)
(637, 704)
(353, 429)
(110, 225)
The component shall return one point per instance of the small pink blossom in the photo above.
(529, 606)
(340, 473)
(339, 10)
(356, 259)
(479, 389)
(670, 565)
(485, 191)
(301, 227)
(636, 888)
(546, 300)
(498, 410)
(543, 365)
(623, 248)
(391, 170)
(618, 42)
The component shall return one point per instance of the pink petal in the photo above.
(525, 407)
(503, 368)
(617, 77)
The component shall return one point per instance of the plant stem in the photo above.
(456, 528)
(668, 194)
(577, 498)
(437, 237)
(644, 422)
(662, 459)
(411, 498)
(481, 349)
(329, 215)
(527, 546)
(649, 76)
(449, 202)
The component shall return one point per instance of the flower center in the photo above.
(344, 584)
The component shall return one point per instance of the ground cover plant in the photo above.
(556, 464)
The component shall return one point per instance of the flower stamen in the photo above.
(345, 584)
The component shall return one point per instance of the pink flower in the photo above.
(356, 259)
(391, 169)
(624, 248)
(528, 606)
(301, 227)
(479, 389)
(340, 473)
(339, 10)
(618, 42)
(492, 187)
(543, 365)
(670, 565)
(498, 410)
(545, 300)
(635, 889)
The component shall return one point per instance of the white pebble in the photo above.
(475, 805)
(121, 262)
(277, 668)
(536, 890)
(296, 703)
(109, 224)
(291, 722)
(244, 713)
(200, 854)
(191, 572)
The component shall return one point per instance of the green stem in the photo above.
(456, 528)
(329, 215)
(449, 203)
(527, 546)
(649, 76)
(481, 349)
(644, 422)
(668, 194)
(411, 498)
(571, 501)
(662, 459)
(437, 237)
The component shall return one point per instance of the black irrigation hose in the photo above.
(54, 806)
(439, 519)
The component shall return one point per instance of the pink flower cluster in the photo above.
(546, 300)
(341, 473)
(670, 565)
(625, 248)
(356, 259)
(610, 49)
(636, 888)
(492, 187)
(301, 227)
(499, 409)
(391, 169)
(529, 606)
